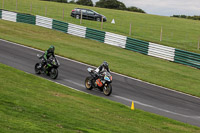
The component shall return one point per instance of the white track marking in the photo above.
(150, 106)
(81, 85)
(94, 67)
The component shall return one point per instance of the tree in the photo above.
(72, 2)
(121, 6)
(135, 9)
(183, 16)
(112, 4)
(177, 16)
(62, 1)
(187, 17)
(85, 2)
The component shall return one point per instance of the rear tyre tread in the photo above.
(37, 71)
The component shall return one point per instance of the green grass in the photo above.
(154, 70)
(178, 33)
(32, 104)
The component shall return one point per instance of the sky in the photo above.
(165, 7)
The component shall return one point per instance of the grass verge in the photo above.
(178, 33)
(154, 70)
(32, 104)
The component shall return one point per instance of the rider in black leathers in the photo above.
(101, 68)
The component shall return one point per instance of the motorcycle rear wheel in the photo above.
(108, 90)
(53, 73)
(37, 69)
(88, 83)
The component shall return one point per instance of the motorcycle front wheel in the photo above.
(54, 73)
(37, 68)
(107, 90)
(88, 83)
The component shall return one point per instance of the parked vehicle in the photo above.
(103, 82)
(87, 14)
(51, 69)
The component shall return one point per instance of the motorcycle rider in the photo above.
(48, 53)
(102, 68)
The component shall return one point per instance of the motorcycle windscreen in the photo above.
(107, 78)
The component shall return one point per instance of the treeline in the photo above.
(62, 1)
(187, 17)
(111, 4)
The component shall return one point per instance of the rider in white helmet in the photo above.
(102, 68)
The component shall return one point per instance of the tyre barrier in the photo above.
(143, 47)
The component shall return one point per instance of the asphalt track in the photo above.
(148, 97)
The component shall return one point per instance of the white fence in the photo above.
(44, 21)
(10, 16)
(155, 50)
(161, 51)
(115, 39)
(76, 30)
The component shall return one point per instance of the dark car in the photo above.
(87, 14)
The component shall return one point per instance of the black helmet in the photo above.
(51, 48)
(105, 64)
